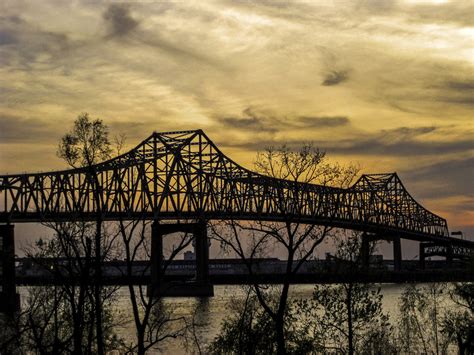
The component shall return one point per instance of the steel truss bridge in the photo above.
(183, 175)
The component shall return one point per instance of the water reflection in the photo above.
(207, 314)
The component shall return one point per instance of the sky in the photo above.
(388, 84)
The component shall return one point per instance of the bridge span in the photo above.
(183, 176)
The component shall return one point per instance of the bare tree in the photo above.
(84, 146)
(296, 240)
(154, 322)
(62, 316)
(76, 314)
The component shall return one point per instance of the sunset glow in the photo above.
(385, 84)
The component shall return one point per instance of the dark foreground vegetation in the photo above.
(80, 318)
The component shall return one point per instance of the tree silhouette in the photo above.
(298, 241)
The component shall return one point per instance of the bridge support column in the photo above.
(365, 251)
(422, 255)
(202, 253)
(449, 255)
(397, 254)
(156, 272)
(201, 286)
(9, 299)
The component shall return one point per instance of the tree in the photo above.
(347, 317)
(154, 323)
(249, 330)
(458, 324)
(296, 240)
(421, 313)
(61, 318)
(86, 145)
(67, 257)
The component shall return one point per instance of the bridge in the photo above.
(182, 176)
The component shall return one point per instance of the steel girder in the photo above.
(183, 174)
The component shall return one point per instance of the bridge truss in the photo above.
(183, 175)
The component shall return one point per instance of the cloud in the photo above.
(6, 37)
(452, 177)
(335, 77)
(14, 129)
(403, 133)
(451, 12)
(24, 44)
(457, 91)
(119, 20)
(461, 85)
(322, 121)
(258, 122)
(251, 121)
(417, 90)
(121, 24)
(402, 142)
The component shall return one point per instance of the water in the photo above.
(210, 312)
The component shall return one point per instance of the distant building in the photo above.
(189, 255)
(376, 258)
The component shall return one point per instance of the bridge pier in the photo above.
(9, 299)
(422, 254)
(449, 255)
(397, 253)
(156, 256)
(365, 249)
(202, 253)
(201, 286)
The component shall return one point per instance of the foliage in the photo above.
(330, 310)
(49, 324)
(250, 330)
(61, 318)
(419, 323)
(347, 317)
(458, 323)
(87, 143)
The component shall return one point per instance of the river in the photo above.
(210, 312)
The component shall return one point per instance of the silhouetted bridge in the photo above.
(183, 176)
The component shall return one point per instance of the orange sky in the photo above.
(387, 84)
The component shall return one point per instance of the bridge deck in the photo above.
(183, 175)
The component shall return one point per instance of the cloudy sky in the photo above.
(384, 83)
